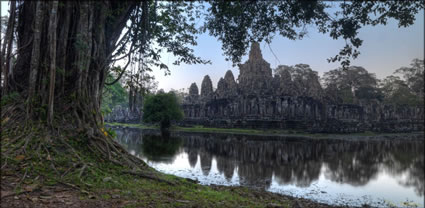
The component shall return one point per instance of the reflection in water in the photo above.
(258, 161)
(159, 149)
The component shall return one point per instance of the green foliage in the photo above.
(111, 132)
(369, 93)
(346, 95)
(351, 84)
(414, 76)
(396, 91)
(407, 91)
(113, 95)
(162, 108)
(9, 98)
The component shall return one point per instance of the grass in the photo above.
(275, 132)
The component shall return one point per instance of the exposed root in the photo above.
(82, 171)
(22, 179)
(72, 151)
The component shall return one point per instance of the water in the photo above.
(334, 171)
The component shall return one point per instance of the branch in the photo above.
(118, 25)
(122, 72)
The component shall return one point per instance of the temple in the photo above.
(259, 99)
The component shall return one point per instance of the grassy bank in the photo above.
(266, 132)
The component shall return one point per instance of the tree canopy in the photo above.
(237, 23)
(162, 108)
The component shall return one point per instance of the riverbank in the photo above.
(108, 185)
(275, 132)
(64, 172)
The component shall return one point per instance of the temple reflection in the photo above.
(297, 161)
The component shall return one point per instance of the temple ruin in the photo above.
(259, 99)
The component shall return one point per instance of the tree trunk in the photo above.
(8, 41)
(52, 49)
(74, 40)
(78, 50)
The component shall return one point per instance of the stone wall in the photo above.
(123, 115)
(259, 100)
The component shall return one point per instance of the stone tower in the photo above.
(206, 87)
(193, 90)
(227, 87)
(255, 76)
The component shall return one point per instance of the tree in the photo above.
(237, 23)
(162, 108)
(139, 83)
(301, 80)
(396, 91)
(351, 84)
(65, 50)
(113, 95)
(414, 76)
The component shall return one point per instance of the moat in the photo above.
(334, 171)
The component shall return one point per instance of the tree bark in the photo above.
(35, 55)
(8, 41)
(78, 51)
(52, 49)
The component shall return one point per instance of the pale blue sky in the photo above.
(384, 49)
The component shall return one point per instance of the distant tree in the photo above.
(301, 80)
(180, 94)
(162, 108)
(414, 76)
(369, 93)
(396, 91)
(139, 83)
(113, 95)
(351, 84)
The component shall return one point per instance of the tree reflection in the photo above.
(297, 161)
(161, 149)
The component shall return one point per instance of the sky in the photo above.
(385, 49)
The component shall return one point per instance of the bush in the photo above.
(162, 108)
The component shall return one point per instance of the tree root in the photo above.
(22, 179)
(77, 150)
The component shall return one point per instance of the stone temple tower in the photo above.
(255, 75)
